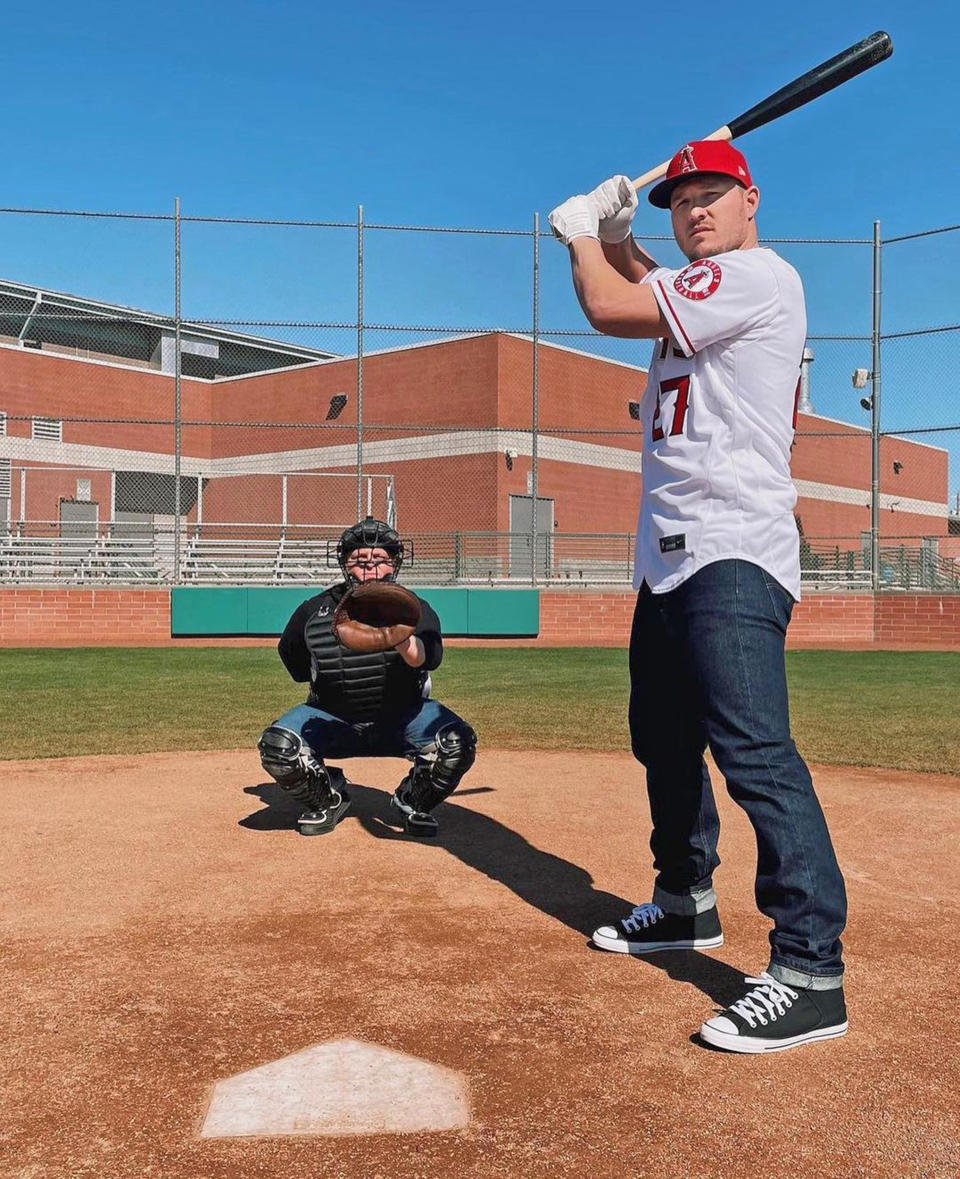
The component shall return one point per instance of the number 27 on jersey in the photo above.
(680, 386)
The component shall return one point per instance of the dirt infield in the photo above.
(164, 927)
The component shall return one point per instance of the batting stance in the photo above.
(367, 659)
(718, 573)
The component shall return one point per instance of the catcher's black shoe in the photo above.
(647, 929)
(772, 1017)
(419, 823)
(323, 820)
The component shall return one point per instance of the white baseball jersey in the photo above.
(718, 418)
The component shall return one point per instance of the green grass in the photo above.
(879, 708)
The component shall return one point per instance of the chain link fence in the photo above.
(174, 410)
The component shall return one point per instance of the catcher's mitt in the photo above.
(376, 616)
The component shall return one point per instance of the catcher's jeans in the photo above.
(707, 669)
(330, 737)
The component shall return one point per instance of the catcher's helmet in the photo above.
(370, 533)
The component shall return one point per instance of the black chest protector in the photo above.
(354, 686)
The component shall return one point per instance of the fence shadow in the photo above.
(556, 887)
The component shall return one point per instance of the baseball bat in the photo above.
(821, 79)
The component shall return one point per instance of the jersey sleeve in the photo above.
(428, 632)
(717, 298)
(292, 647)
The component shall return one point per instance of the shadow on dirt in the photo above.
(549, 883)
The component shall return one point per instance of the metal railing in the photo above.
(263, 554)
(900, 567)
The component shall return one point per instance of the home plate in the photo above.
(340, 1087)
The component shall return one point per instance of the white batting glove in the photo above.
(616, 199)
(576, 217)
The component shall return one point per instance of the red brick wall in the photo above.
(924, 619)
(603, 620)
(73, 617)
(828, 619)
(69, 617)
(55, 386)
(585, 620)
(827, 523)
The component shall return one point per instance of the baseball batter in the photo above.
(718, 573)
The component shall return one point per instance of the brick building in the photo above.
(446, 434)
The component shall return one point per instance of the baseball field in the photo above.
(165, 928)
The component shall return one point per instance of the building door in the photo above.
(78, 531)
(521, 526)
(78, 518)
(866, 548)
(5, 495)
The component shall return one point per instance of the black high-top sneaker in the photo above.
(334, 802)
(419, 823)
(772, 1017)
(647, 929)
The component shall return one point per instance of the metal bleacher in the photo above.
(257, 560)
(37, 553)
(26, 557)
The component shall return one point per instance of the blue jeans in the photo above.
(707, 670)
(329, 736)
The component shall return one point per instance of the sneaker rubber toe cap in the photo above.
(720, 1023)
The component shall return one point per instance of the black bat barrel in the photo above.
(866, 53)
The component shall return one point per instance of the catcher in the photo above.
(366, 646)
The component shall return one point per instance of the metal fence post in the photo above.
(535, 422)
(177, 426)
(875, 417)
(359, 361)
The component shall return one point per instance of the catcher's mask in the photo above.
(370, 533)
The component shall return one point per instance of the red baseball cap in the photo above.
(703, 155)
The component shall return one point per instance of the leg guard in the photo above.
(434, 777)
(295, 767)
(439, 767)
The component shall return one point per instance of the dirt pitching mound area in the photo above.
(165, 928)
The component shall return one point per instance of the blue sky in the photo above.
(470, 117)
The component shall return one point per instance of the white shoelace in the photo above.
(642, 916)
(766, 1002)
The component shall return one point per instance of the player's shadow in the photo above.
(558, 888)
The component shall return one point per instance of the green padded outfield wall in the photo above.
(264, 610)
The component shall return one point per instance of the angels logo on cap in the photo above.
(701, 156)
(687, 162)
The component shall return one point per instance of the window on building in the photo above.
(146, 491)
(3, 423)
(49, 429)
